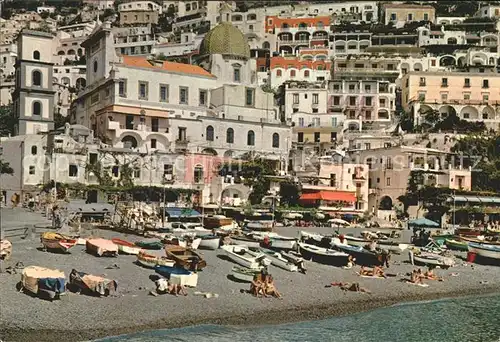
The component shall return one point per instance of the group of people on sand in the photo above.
(377, 271)
(417, 276)
(263, 285)
(170, 288)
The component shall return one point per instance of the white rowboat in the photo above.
(241, 256)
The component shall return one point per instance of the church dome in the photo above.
(225, 39)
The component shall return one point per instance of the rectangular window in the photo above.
(368, 101)
(486, 84)
(388, 181)
(73, 170)
(182, 134)
(92, 158)
(333, 136)
(153, 143)
(315, 98)
(137, 173)
(444, 97)
(433, 62)
(94, 98)
(237, 75)
(32, 169)
(300, 137)
(295, 98)
(466, 96)
(368, 146)
(336, 100)
(155, 124)
(334, 122)
(249, 97)
(333, 180)
(393, 16)
(410, 17)
(467, 83)
(163, 93)
(203, 98)
(381, 102)
(316, 122)
(388, 163)
(421, 97)
(426, 16)
(444, 82)
(317, 137)
(368, 88)
(352, 101)
(168, 171)
(301, 122)
(486, 97)
(422, 82)
(129, 122)
(143, 90)
(183, 95)
(115, 170)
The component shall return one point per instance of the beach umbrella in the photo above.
(423, 222)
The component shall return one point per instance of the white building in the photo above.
(489, 11)
(134, 40)
(140, 6)
(100, 4)
(45, 9)
(189, 42)
(311, 66)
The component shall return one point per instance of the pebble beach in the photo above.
(78, 317)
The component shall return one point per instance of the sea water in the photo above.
(451, 320)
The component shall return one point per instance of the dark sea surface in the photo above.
(450, 320)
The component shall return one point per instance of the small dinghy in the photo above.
(244, 240)
(43, 282)
(424, 258)
(5, 249)
(276, 259)
(153, 244)
(240, 255)
(275, 240)
(485, 250)
(323, 255)
(456, 245)
(101, 247)
(57, 242)
(126, 247)
(392, 246)
(185, 257)
(178, 275)
(92, 284)
(211, 242)
(151, 261)
(244, 274)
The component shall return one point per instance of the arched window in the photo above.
(278, 73)
(292, 73)
(251, 138)
(276, 140)
(36, 78)
(306, 73)
(230, 136)
(210, 133)
(34, 150)
(37, 108)
(36, 55)
(266, 45)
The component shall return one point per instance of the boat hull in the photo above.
(279, 261)
(490, 252)
(393, 247)
(216, 222)
(245, 242)
(456, 245)
(57, 242)
(323, 255)
(43, 282)
(244, 274)
(178, 276)
(240, 255)
(151, 261)
(92, 284)
(184, 257)
(434, 260)
(211, 243)
(101, 247)
(125, 247)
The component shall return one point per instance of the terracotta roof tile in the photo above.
(188, 69)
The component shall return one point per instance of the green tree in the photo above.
(289, 194)
(7, 120)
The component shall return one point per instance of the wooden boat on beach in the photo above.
(126, 247)
(211, 242)
(425, 258)
(185, 257)
(244, 274)
(293, 257)
(456, 244)
(152, 244)
(260, 225)
(183, 241)
(245, 240)
(356, 241)
(275, 240)
(485, 250)
(323, 255)
(392, 246)
(92, 284)
(177, 275)
(276, 259)
(43, 282)
(240, 255)
(101, 247)
(182, 228)
(481, 239)
(57, 242)
(216, 221)
(150, 260)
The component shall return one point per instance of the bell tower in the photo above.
(33, 96)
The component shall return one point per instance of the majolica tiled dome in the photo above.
(225, 39)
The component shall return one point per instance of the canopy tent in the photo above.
(181, 212)
(474, 199)
(423, 222)
(333, 196)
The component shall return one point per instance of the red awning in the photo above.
(333, 196)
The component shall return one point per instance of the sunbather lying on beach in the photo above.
(415, 277)
(354, 287)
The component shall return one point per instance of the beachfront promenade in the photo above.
(79, 317)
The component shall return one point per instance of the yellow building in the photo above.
(400, 14)
(471, 96)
